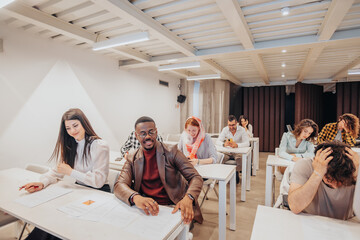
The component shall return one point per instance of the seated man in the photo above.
(133, 143)
(346, 130)
(325, 186)
(156, 174)
(233, 136)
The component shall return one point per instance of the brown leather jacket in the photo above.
(177, 174)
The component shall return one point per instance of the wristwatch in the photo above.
(191, 196)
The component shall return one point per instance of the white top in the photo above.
(240, 137)
(92, 171)
(288, 146)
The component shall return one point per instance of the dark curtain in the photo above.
(348, 98)
(265, 108)
(309, 103)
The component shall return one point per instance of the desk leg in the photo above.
(256, 154)
(233, 203)
(222, 210)
(243, 177)
(248, 170)
(268, 185)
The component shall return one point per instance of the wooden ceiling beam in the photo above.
(31, 15)
(235, 17)
(334, 16)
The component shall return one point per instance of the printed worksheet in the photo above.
(40, 197)
(84, 204)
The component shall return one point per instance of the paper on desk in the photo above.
(330, 230)
(84, 205)
(121, 215)
(40, 197)
(155, 227)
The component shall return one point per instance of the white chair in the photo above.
(6, 219)
(34, 167)
(284, 188)
(112, 178)
(210, 183)
(214, 140)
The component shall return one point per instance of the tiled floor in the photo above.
(245, 211)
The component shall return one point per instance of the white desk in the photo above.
(48, 218)
(273, 223)
(223, 173)
(246, 166)
(271, 162)
(254, 141)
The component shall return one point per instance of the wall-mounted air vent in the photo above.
(164, 83)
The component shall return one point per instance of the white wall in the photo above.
(40, 79)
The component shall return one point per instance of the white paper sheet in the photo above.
(40, 197)
(84, 205)
(121, 215)
(155, 227)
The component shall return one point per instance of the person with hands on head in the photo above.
(157, 174)
(79, 153)
(345, 130)
(195, 144)
(325, 186)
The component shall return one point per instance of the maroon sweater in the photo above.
(151, 184)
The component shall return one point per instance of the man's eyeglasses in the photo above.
(143, 134)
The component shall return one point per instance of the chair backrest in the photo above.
(214, 140)
(112, 178)
(277, 151)
(220, 158)
(173, 137)
(289, 128)
(34, 167)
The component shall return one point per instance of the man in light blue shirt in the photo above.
(233, 136)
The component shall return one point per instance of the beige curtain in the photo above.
(214, 103)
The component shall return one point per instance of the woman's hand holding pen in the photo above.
(32, 187)
(64, 169)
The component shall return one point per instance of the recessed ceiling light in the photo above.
(282, 75)
(285, 11)
(283, 65)
(283, 51)
(179, 66)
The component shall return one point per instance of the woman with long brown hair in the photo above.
(299, 143)
(79, 153)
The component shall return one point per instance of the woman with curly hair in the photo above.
(299, 143)
(345, 130)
